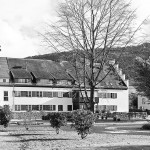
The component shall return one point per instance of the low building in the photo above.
(143, 103)
(31, 84)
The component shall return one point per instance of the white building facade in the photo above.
(43, 85)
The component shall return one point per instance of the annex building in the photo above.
(33, 84)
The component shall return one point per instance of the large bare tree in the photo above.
(91, 29)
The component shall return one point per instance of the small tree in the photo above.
(133, 100)
(142, 76)
(5, 116)
(83, 121)
(57, 120)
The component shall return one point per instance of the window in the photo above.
(60, 107)
(113, 95)
(55, 94)
(49, 107)
(22, 80)
(143, 100)
(5, 95)
(33, 94)
(16, 108)
(46, 107)
(114, 108)
(4, 80)
(24, 107)
(50, 82)
(107, 95)
(41, 94)
(17, 93)
(41, 108)
(35, 107)
(37, 94)
(108, 107)
(24, 94)
(29, 94)
(54, 107)
(19, 108)
(47, 94)
(29, 107)
(69, 107)
(60, 94)
(66, 94)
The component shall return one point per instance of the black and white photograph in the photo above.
(74, 75)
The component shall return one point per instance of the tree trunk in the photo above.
(92, 99)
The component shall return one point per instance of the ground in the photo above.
(104, 135)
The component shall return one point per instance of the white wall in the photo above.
(34, 100)
(10, 98)
(122, 100)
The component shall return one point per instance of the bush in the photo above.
(83, 121)
(146, 126)
(5, 116)
(57, 120)
(68, 116)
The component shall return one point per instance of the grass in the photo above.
(42, 136)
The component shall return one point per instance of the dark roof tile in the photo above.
(4, 70)
(20, 74)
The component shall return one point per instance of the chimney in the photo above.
(127, 82)
(120, 72)
(123, 77)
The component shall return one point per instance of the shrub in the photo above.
(83, 121)
(5, 116)
(57, 120)
(146, 126)
(68, 116)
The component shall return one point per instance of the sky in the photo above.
(21, 19)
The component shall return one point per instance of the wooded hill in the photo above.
(126, 61)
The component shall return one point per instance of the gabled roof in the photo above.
(20, 74)
(40, 69)
(4, 70)
(111, 81)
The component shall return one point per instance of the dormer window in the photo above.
(63, 82)
(22, 80)
(45, 81)
(4, 80)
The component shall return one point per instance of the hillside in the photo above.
(126, 61)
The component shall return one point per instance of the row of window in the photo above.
(44, 81)
(106, 107)
(52, 94)
(41, 94)
(41, 81)
(41, 107)
(107, 95)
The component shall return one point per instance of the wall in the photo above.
(34, 100)
(122, 100)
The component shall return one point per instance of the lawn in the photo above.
(42, 136)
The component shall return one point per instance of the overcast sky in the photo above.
(20, 19)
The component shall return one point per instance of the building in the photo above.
(31, 84)
(143, 103)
